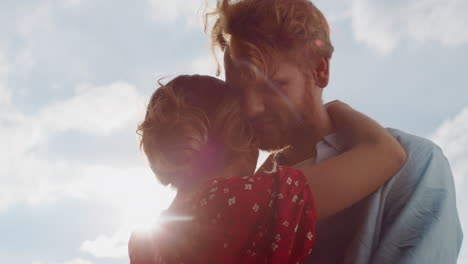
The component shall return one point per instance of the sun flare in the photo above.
(140, 209)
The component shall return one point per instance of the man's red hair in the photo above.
(255, 29)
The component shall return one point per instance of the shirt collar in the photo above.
(329, 146)
(332, 141)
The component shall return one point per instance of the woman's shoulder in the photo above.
(260, 177)
(285, 173)
(229, 191)
(140, 247)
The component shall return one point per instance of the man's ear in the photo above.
(322, 72)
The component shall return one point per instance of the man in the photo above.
(277, 56)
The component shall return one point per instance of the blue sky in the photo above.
(75, 76)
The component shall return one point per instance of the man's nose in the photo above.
(253, 104)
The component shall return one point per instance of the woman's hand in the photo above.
(356, 128)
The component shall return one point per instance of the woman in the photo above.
(197, 141)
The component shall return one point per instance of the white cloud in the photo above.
(27, 22)
(383, 25)
(5, 70)
(45, 41)
(170, 11)
(132, 191)
(206, 65)
(95, 109)
(28, 177)
(452, 137)
(70, 3)
(24, 61)
(78, 261)
(164, 11)
(114, 246)
(74, 261)
(334, 17)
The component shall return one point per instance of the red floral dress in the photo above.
(268, 218)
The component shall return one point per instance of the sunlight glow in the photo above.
(133, 192)
(141, 210)
(139, 199)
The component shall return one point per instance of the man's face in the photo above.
(278, 106)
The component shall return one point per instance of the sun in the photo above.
(143, 202)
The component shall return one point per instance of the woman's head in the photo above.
(193, 128)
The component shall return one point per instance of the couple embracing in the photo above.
(337, 187)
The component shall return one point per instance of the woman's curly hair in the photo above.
(193, 126)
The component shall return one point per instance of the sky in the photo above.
(75, 77)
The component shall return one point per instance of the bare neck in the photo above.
(303, 145)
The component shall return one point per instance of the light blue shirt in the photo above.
(411, 219)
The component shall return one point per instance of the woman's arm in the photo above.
(373, 158)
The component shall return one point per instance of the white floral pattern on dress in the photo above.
(278, 237)
(310, 235)
(289, 181)
(203, 202)
(232, 201)
(274, 246)
(248, 187)
(294, 199)
(286, 223)
(255, 207)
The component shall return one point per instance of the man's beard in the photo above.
(275, 134)
(276, 131)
